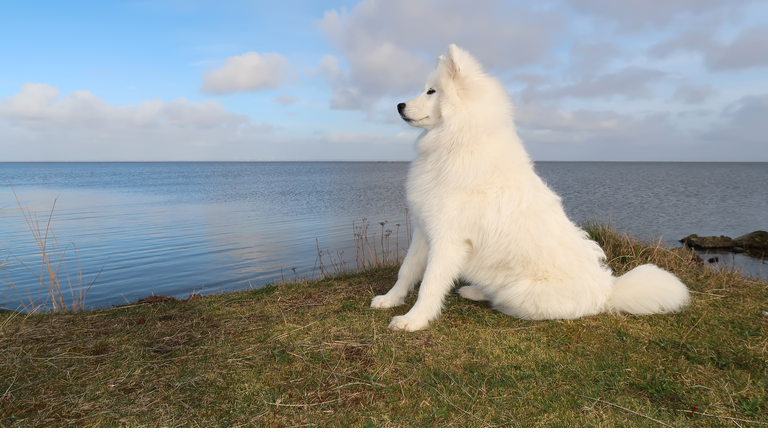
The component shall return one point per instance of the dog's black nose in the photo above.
(400, 107)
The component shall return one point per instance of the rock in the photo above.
(737, 249)
(713, 260)
(710, 242)
(754, 241)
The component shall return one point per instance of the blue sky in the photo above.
(244, 80)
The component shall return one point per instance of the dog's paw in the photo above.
(404, 322)
(385, 302)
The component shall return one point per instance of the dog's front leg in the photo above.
(443, 267)
(410, 272)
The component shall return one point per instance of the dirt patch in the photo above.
(156, 299)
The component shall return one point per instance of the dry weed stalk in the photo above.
(367, 255)
(320, 259)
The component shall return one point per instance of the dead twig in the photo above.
(625, 409)
(689, 331)
(278, 404)
(521, 328)
(8, 390)
(721, 417)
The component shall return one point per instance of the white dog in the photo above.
(481, 213)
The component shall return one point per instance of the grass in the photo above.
(53, 277)
(313, 354)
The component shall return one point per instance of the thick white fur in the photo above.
(481, 213)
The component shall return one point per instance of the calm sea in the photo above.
(181, 228)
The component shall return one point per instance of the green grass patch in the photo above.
(314, 354)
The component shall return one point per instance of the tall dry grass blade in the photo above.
(383, 253)
(360, 252)
(53, 261)
(371, 253)
(375, 252)
(53, 287)
(320, 257)
(83, 293)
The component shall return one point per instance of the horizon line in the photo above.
(348, 160)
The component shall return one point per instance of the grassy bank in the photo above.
(313, 353)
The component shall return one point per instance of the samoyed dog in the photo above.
(482, 214)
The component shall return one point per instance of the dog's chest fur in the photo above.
(443, 182)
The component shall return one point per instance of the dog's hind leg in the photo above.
(473, 292)
(446, 259)
(410, 272)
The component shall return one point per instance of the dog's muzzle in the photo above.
(400, 109)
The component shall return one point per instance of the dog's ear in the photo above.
(452, 61)
(464, 72)
(460, 65)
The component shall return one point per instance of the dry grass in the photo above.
(53, 272)
(367, 253)
(314, 354)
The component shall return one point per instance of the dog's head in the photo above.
(457, 87)
(424, 110)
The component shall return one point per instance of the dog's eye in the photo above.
(430, 91)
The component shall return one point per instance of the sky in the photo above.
(195, 80)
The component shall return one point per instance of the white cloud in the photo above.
(247, 72)
(82, 126)
(638, 15)
(692, 94)
(367, 139)
(588, 59)
(343, 97)
(38, 106)
(37, 123)
(545, 118)
(391, 46)
(530, 78)
(553, 133)
(747, 49)
(742, 122)
(385, 49)
(598, 79)
(285, 100)
(630, 82)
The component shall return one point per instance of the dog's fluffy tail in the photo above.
(647, 290)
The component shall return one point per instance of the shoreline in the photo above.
(715, 258)
(175, 238)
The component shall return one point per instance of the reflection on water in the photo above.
(179, 228)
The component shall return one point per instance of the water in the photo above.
(180, 228)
